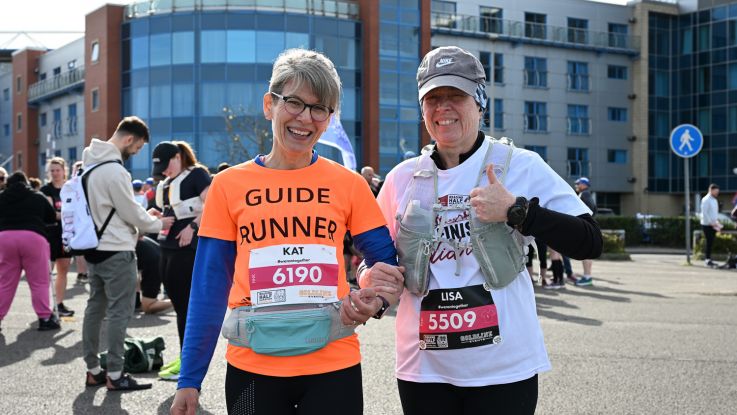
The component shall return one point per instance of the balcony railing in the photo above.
(535, 32)
(59, 84)
(334, 8)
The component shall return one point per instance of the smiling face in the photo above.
(451, 117)
(294, 135)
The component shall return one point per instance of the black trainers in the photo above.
(96, 380)
(82, 278)
(64, 311)
(126, 383)
(51, 323)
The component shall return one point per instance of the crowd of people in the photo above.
(444, 238)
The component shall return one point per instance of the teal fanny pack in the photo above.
(285, 332)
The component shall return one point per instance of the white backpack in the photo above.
(79, 232)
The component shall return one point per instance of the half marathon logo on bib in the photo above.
(457, 318)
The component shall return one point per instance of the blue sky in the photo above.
(57, 15)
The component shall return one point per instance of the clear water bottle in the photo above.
(417, 218)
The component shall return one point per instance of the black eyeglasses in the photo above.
(295, 106)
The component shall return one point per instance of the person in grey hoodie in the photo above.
(112, 266)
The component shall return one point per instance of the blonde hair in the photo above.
(307, 67)
(59, 162)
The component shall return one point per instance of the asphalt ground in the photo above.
(652, 336)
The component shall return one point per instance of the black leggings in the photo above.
(519, 398)
(709, 234)
(339, 393)
(176, 273)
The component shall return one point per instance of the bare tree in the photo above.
(247, 133)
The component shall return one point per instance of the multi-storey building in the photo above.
(594, 88)
(6, 110)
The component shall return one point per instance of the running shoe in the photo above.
(585, 281)
(174, 362)
(126, 383)
(51, 323)
(64, 311)
(96, 380)
(172, 372)
(571, 278)
(82, 278)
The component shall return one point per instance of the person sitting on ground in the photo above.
(24, 214)
(148, 255)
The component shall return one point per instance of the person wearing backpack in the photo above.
(112, 264)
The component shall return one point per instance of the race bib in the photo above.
(457, 318)
(293, 274)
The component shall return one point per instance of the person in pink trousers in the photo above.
(24, 214)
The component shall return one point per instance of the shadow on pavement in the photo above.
(166, 405)
(549, 306)
(30, 340)
(149, 320)
(84, 403)
(63, 355)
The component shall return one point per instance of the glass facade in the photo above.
(201, 76)
(399, 56)
(693, 79)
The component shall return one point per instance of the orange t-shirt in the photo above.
(276, 217)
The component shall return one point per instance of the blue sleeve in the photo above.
(376, 245)
(212, 278)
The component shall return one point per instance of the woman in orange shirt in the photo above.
(271, 249)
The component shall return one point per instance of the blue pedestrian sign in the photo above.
(686, 140)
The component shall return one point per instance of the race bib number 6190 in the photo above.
(292, 274)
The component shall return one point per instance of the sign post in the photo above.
(686, 141)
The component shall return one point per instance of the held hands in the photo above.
(492, 202)
(384, 278)
(185, 402)
(358, 306)
(166, 222)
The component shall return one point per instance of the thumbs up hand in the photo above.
(491, 202)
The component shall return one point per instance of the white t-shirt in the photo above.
(511, 347)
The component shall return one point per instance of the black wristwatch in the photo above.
(517, 213)
(194, 226)
(384, 306)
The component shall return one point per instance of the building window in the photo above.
(56, 119)
(578, 76)
(578, 30)
(6, 130)
(42, 76)
(617, 35)
(535, 25)
(18, 84)
(536, 116)
(491, 19)
(578, 119)
(498, 68)
(42, 119)
(72, 155)
(617, 114)
(542, 151)
(485, 59)
(616, 156)
(19, 122)
(498, 114)
(443, 13)
(72, 119)
(95, 52)
(616, 72)
(486, 119)
(95, 99)
(578, 162)
(536, 72)
(57, 70)
(6, 94)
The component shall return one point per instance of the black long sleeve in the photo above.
(577, 237)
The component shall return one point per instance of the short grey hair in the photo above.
(307, 67)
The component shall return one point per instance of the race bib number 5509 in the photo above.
(293, 274)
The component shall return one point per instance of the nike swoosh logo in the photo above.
(441, 64)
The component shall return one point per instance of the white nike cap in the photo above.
(450, 66)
